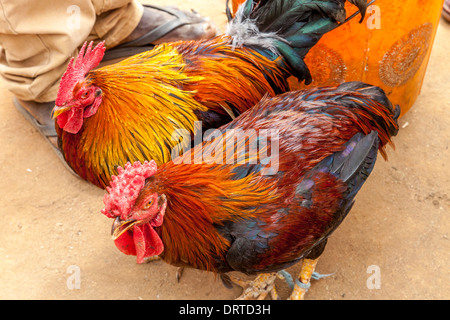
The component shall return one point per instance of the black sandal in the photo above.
(144, 43)
(47, 131)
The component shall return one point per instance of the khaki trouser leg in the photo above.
(38, 38)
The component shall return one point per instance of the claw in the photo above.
(264, 283)
(179, 273)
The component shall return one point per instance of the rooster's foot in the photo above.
(259, 288)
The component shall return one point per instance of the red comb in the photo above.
(125, 187)
(87, 60)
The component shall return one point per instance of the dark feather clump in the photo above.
(288, 27)
(362, 5)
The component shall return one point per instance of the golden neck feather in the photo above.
(143, 103)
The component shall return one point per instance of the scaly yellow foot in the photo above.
(258, 288)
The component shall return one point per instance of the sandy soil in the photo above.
(51, 220)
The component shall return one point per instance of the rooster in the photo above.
(129, 111)
(224, 207)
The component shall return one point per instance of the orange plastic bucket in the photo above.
(389, 49)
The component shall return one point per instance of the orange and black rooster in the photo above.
(261, 202)
(129, 111)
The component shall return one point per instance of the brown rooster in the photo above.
(262, 202)
(129, 111)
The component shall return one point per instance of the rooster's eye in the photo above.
(148, 204)
(84, 95)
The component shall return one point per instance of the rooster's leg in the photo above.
(258, 288)
(308, 265)
(302, 285)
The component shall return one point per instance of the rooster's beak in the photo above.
(58, 110)
(120, 226)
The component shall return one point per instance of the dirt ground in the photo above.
(51, 221)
